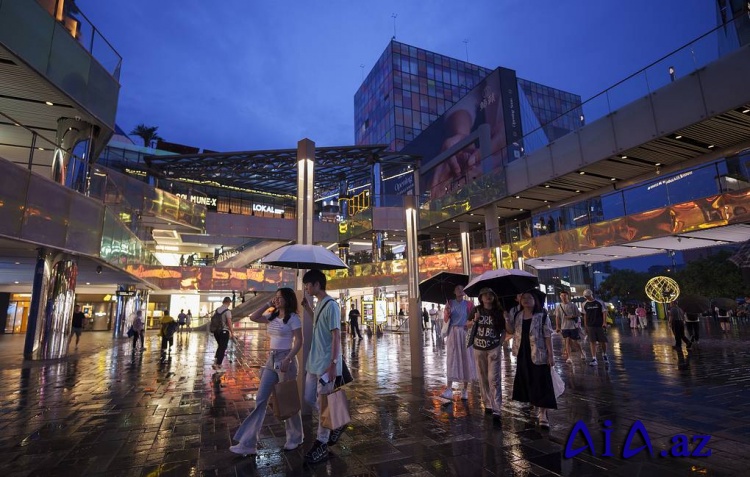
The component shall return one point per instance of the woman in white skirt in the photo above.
(460, 365)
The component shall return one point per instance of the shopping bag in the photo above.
(131, 332)
(334, 410)
(557, 383)
(285, 399)
(445, 328)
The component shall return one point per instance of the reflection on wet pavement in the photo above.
(107, 411)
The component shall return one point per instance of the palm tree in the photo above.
(147, 133)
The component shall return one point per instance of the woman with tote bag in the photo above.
(285, 331)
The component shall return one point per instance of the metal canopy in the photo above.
(275, 171)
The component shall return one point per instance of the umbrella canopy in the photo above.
(304, 257)
(694, 304)
(504, 282)
(725, 303)
(439, 288)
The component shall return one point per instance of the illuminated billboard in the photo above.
(494, 101)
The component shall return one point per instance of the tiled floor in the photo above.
(104, 411)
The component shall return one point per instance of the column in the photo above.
(42, 272)
(128, 301)
(416, 336)
(492, 231)
(66, 168)
(376, 182)
(57, 317)
(305, 200)
(465, 248)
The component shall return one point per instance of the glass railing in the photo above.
(67, 14)
(681, 62)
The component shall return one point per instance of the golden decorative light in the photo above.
(662, 289)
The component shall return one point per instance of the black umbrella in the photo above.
(725, 303)
(694, 304)
(439, 288)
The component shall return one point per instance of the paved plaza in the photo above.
(106, 412)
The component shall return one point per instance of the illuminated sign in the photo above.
(267, 209)
(196, 199)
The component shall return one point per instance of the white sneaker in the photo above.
(593, 362)
(242, 450)
(447, 394)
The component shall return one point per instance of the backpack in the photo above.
(217, 322)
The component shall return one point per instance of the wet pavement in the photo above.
(106, 412)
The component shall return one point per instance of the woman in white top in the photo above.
(285, 331)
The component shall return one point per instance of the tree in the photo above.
(625, 284)
(147, 133)
(712, 277)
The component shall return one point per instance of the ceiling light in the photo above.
(88, 283)
(711, 146)
(16, 282)
(18, 263)
(578, 191)
(521, 210)
(437, 226)
(746, 111)
(679, 136)
(546, 185)
(471, 214)
(613, 179)
(518, 197)
(623, 157)
(49, 103)
(657, 164)
(454, 221)
(582, 172)
(546, 201)
(40, 148)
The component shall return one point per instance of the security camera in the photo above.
(99, 269)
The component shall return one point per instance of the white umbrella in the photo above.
(304, 257)
(503, 281)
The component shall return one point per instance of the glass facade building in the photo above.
(409, 88)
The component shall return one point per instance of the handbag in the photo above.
(334, 410)
(346, 375)
(285, 399)
(557, 383)
(472, 334)
(131, 332)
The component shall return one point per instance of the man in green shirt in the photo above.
(324, 360)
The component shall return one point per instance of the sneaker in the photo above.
(543, 421)
(242, 450)
(291, 447)
(593, 362)
(317, 453)
(465, 395)
(447, 394)
(605, 358)
(335, 435)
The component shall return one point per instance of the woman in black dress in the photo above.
(532, 346)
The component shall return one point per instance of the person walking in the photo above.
(532, 346)
(460, 365)
(167, 331)
(677, 324)
(324, 360)
(188, 319)
(566, 322)
(181, 319)
(354, 315)
(223, 333)
(285, 330)
(488, 353)
(692, 325)
(425, 318)
(642, 316)
(138, 329)
(596, 325)
(77, 326)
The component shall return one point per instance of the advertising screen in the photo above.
(494, 101)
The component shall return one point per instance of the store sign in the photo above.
(267, 209)
(196, 199)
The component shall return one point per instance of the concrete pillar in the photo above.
(305, 200)
(58, 312)
(128, 301)
(416, 336)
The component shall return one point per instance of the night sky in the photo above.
(246, 74)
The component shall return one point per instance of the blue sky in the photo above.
(247, 74)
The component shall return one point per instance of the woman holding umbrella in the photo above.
(488, 351)
(460, 365)
(532, 347)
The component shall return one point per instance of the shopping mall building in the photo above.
(474, 167)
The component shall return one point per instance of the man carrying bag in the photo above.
(324, 362)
